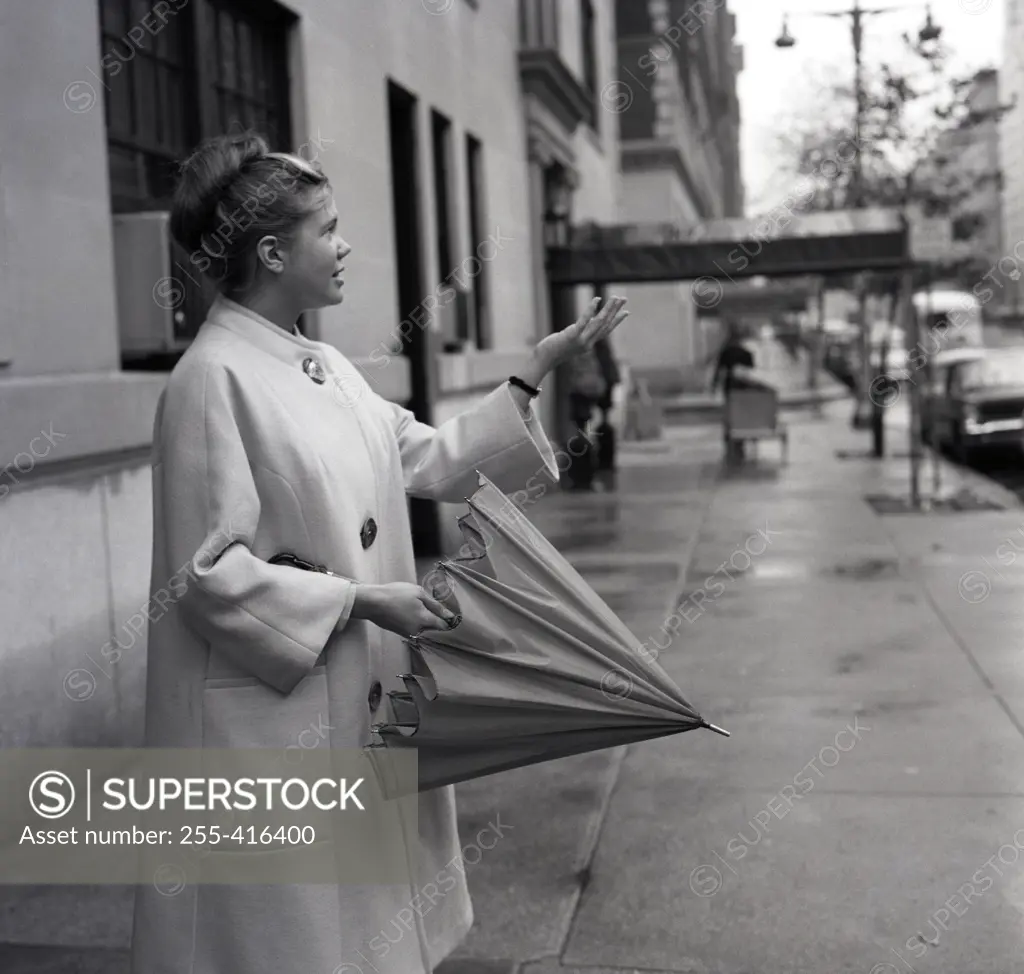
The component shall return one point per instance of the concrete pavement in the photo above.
(868, 668)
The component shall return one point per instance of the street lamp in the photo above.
(785, 39)
(558, 192)
(930, 31)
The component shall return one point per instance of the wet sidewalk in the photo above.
(862, 818)
(866, 815)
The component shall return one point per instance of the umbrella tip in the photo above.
(715, 728)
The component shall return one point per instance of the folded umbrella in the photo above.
(537, 667)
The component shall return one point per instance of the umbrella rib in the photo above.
(437, 637)
(531, 546)
(494, 586)
(571, 682)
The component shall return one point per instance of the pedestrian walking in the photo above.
(732, 373)
(267, 443)
(587, 389)
(606, 432)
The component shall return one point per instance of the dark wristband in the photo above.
(525, 386)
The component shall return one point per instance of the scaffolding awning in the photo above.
(776, 245)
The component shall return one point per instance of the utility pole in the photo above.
(857, 25)
(861, 418)
(911, 324)
(936, 464)
(818, 345)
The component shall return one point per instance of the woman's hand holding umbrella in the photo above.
(401, 607)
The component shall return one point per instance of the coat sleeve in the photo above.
(493, 437)
(270, 620)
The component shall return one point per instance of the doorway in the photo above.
(402, 110)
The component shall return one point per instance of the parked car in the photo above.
(974, 399)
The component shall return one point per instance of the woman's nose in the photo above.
(343, 249)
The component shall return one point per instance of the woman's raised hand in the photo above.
(595, 323)
(400, 607)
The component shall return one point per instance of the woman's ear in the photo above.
(269, 252)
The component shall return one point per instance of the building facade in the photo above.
(965, 168)
(1011, 145)
(447, 128)
(678, 63)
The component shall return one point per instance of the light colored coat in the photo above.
(252, 457)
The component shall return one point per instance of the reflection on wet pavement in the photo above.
(749, 473)
(630, 540)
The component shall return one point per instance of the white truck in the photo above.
(948, 319)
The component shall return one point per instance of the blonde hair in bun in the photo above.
(232, 192)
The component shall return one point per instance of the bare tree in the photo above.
(916, 114)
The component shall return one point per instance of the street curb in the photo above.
(978, 483)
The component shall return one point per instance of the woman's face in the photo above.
(313, 259)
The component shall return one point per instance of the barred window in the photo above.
(174, 78)
(538, 24)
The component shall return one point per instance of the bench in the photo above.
(753, 415)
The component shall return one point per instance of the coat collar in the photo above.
(260, 331)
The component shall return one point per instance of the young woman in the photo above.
(267, 442)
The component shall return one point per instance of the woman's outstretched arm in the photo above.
(500, 437)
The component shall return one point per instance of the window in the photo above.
(214, 66)
(1003, 368)
(480, 328)
(538, 24)
(455, 324)
(245, 70)
(588, 29)
(441, 131)
(632, 19)
(966, 226)
(146, 92)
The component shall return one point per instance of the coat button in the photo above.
(368, 532)
(373, 699)
(314, 370)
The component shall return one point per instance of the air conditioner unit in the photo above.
(162, 298)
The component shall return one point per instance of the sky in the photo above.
(775, 81)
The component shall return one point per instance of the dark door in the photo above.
(409, 263)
